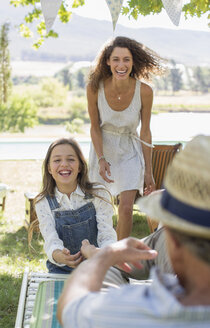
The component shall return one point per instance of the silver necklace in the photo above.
(119, 97)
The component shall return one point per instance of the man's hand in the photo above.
(87, 249)
(129, 251)
(129, 247)
(89, 275)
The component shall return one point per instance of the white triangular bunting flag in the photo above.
(173, 9)
(114, 8)
(50, 9)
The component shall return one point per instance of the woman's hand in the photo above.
(150, 184)
(64, 257)
(104, 170)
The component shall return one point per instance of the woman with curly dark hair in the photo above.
(118, 102)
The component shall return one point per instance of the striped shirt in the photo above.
(153, 306)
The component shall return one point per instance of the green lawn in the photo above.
(15, 256)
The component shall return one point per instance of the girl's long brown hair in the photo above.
(48, 183)
(145, 61)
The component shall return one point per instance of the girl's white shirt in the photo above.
(104, 213)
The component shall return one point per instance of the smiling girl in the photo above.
(118, 101)
(70, 208)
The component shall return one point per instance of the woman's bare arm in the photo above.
(96, 134)
(145, 134)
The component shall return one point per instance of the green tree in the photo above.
(199, 80)
(75, 125)
(134, 8)
(78, 109)
(206, 76)
(17, 114)
(175, 77)
(35, 14)
(65, 76)
(50, 93)
(162, 82)
(73, 78)
(189, 77)
(5, 69)
(81, 79)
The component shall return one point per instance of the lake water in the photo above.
(166, 128)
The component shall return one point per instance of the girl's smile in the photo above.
(65, 173)
(64, 167)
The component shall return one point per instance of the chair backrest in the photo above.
(162, 155)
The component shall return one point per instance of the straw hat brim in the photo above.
(151, 206)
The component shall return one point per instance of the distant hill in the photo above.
(82, 37)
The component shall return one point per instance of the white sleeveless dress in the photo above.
(121, 145)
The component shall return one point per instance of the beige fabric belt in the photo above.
(129, 134)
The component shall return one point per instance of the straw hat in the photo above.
(184, 204)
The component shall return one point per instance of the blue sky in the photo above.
(98, 9)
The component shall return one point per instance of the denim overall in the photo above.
(72, 227)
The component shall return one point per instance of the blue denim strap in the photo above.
(52, 202)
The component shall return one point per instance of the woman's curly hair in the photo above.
(145, 61)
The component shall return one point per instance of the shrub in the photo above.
(51, 93)
(17, 114)
(75, 126)
(78, 93)
(78, 109)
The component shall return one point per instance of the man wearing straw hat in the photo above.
(180, 300)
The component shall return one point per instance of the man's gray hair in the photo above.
(200, 247)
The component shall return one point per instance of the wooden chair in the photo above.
(3, 193)
(29, 197)
(162, 155)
